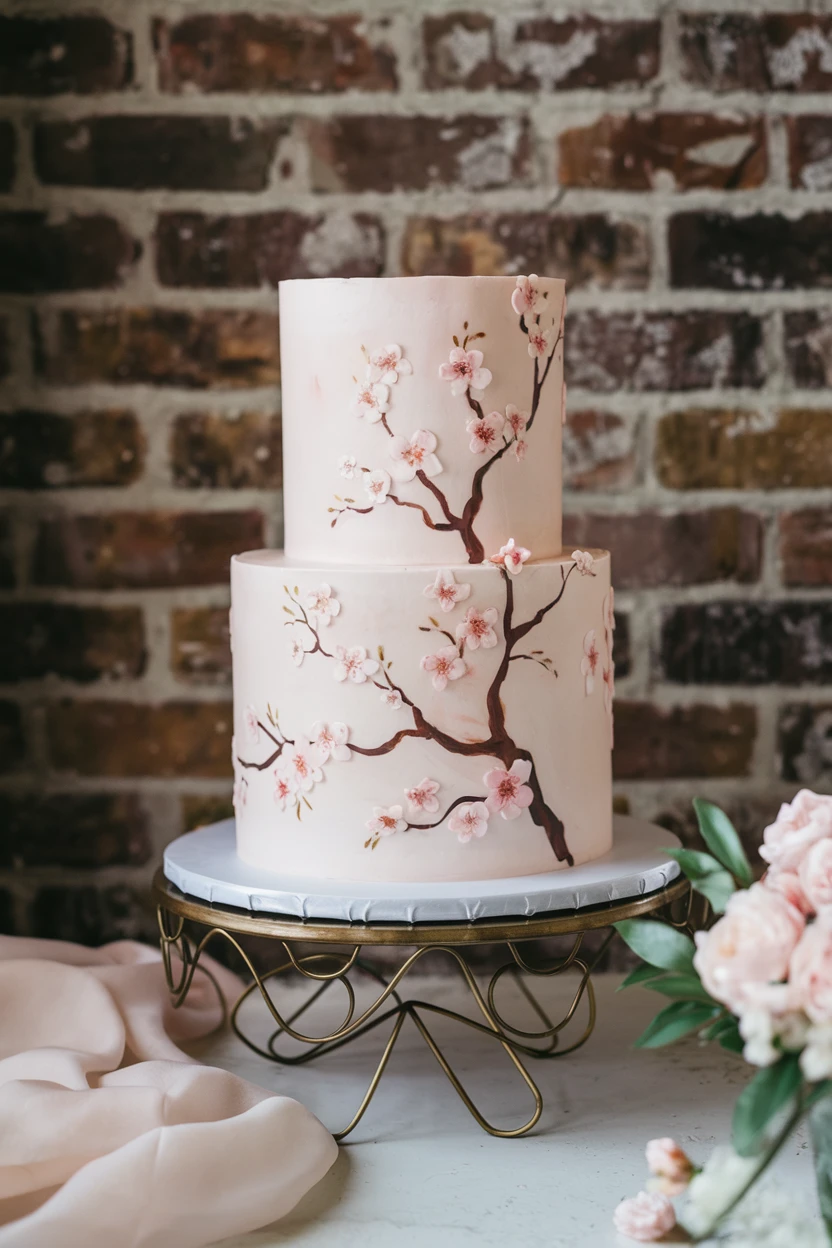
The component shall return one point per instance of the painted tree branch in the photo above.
(458, 801)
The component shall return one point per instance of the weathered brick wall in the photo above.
(163, 165)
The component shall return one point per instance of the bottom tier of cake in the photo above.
(419, 724)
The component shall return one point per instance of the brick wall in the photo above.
(162, 166)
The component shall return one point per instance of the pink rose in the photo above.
(670, 1163)
(815, 875)
(810, 974)
(750, 945)
(646, 1217)
(798, 826)
(788, 883)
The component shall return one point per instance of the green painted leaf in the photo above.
(640, 975)
(768, 1092)
(681, 988)
(675, 1021)
(720, 835)
(658, 943)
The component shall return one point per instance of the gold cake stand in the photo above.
(337, 955)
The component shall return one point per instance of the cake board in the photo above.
(203, 882)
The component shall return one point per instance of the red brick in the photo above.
(86, 643)
(388, 153)
(12, 738)
(46, 450)
(262, 249)
(200, 650)
(684, 743)
(7, 557)
(49, 56)
(621, 650)
(748, 643)
(681, 151)
(598, 451)
(76, 830)
(8, 153)
(809, 348)
(218, 451)
(93, 915)
(142, 550)
(651, 550)
(78, 253)
(806, 547)
(538, 53)
(761, 251)
(171, 153)
(303, 54)
(646, 351)
(713, 449)
(757, 51)
(589, 251)
(804, 745)
(198, 350)
(199, 810)
(810, 152)
(136, 739)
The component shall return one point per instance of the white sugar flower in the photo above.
(353, 664)
(302, 764)
(330, 741)
(386, 820)
(392, 699)
(377, 485)
(388, 365)
(422, 797)
(584, 562)
(301, 642)
(322, 605)
(347, 465)
(415, 455)
(446, 590)
(511, 557)
(372, 401)
(465, 369)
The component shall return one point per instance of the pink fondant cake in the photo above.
(423, 679)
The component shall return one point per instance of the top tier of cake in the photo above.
(421, 418)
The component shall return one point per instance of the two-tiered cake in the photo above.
(423, 679)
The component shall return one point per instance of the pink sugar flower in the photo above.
(609, 611)
(423, 797)
(508, 792)
(589, 662)
(446, 590)
(301, 763)
(285, 787)
(516, 420)
(464, 369)
(372, 401)
(541, 341)
(330, 741)
(519, 449)
(322, 605)
(477, 629)
(469, 820)
(392, 699)
(584, 562)
(511, 557)
(526, 297)
(485, 432)
(445, 665)
(353, 664)
(252, 726)
(302, 641)
(377, 484)
(646, 1217)
(386, 820)
(347, 465)
(415, 455)
(388, 365)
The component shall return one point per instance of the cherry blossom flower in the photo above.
(465, 369)
(541, 341)
(445, 665)
(372, 401)
(240, 796)
(423, 797)
(469, 820)
(377, 485)
(301, 643)
(387, 365)
(485, 432)
(252, 725)
(386, 820)
(302, 763)
(392, 699)
(584, 562)
(609, 611)
(526, 297)
(589, 662)
(511, 557)
(516, 420)
(477, 629)
(347, 465)
(446, 590)
(519, 449)
(353, 664)
(285, 787)
(508, 792)
(330, 741)
(410, 457)
(322, 605)
(646, 1217)
(608, 677)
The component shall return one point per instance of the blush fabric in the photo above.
(110, 1135)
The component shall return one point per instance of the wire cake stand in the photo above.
(636, 880)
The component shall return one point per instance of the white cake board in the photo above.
(205, 865)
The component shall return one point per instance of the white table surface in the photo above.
(419, 1173)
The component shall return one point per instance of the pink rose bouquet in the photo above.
(758, 981)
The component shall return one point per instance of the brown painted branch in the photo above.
(453, 521)
(520, 630)
(388, 746)
(424, 827)
(533, 659)
(317, 648)
(544, 816)
(474, 404)
(439, 525)
(263, 766)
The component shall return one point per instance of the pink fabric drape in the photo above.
(109, 1134)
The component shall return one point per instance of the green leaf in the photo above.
(706, 876)
(720, 835)
(768, 1092)
(727, 1034)
(658, 943)
(673, 1022)
(640, 975)
(820, 1126)
(680, 987)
